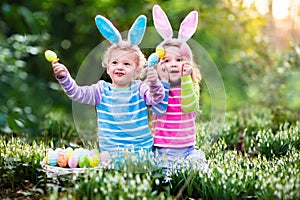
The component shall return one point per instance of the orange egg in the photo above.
(62, 160)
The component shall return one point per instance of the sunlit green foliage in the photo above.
(254, 155)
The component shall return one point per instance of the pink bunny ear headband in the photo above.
(163, 27)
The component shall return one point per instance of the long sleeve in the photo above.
(82, 94)
(161, 107)
(189, 94)
(152, 94)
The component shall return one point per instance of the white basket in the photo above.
(54, 171)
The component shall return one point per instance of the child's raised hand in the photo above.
(59, 69)
(152, 76)
(163, 73)
(186, 69)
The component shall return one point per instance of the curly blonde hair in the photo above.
(125, 46)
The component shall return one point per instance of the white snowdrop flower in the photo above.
(95, 190)
(130, 175)
(219, 182)
(132, 183)
(220, 170)
(157, 181)
(240, 183)
(200, 175)
(228, 172)
(249, 174)
(76, 186)
(74, 178)
(131, 196)
(232, 181)
(278, 194)
(138, 179)
(169, 173)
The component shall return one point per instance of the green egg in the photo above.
(84, 162)
(51, 56)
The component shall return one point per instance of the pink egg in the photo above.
(104, 156)
(73, 161)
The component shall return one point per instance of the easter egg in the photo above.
(104, 156)
(84, 162)
(51, 56)
(73, 161)
(153, 59)
(59, 150)
(62, 160)
(52, 158)
(160, 51)
(95, 160)
(69, 152)
(47, 155)
(81, 152)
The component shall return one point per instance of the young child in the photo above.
(121, 105)
(175, 129)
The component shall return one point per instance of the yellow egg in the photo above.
(160, 51)
(47, 157)
(51, 56)
(69, 153)
(95, 160)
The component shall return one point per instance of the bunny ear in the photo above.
(137, 30)
(161, 23)
(188, 26)
(185, 50)
(107, 29)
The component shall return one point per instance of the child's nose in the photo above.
(120, 66)
(173, 63)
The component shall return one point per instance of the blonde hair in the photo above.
(196, 75)
(125, 46)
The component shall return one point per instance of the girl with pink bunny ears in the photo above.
(175, 129)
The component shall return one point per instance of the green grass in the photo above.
(267, 167)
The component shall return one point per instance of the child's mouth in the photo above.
(119, 73)
(174, 71)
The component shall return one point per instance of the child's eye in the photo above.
(114, 62)
(127, 64)
(179, 59)
(166, 60)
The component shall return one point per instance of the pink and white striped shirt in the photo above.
(176, 127)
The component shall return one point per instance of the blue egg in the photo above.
(52, 158)
(153, 59)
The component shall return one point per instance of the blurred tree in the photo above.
(228, 31)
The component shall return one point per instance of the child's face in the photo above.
(123, 68)
(173, 63)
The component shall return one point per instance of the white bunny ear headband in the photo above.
(109, 32)
(163, 27)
